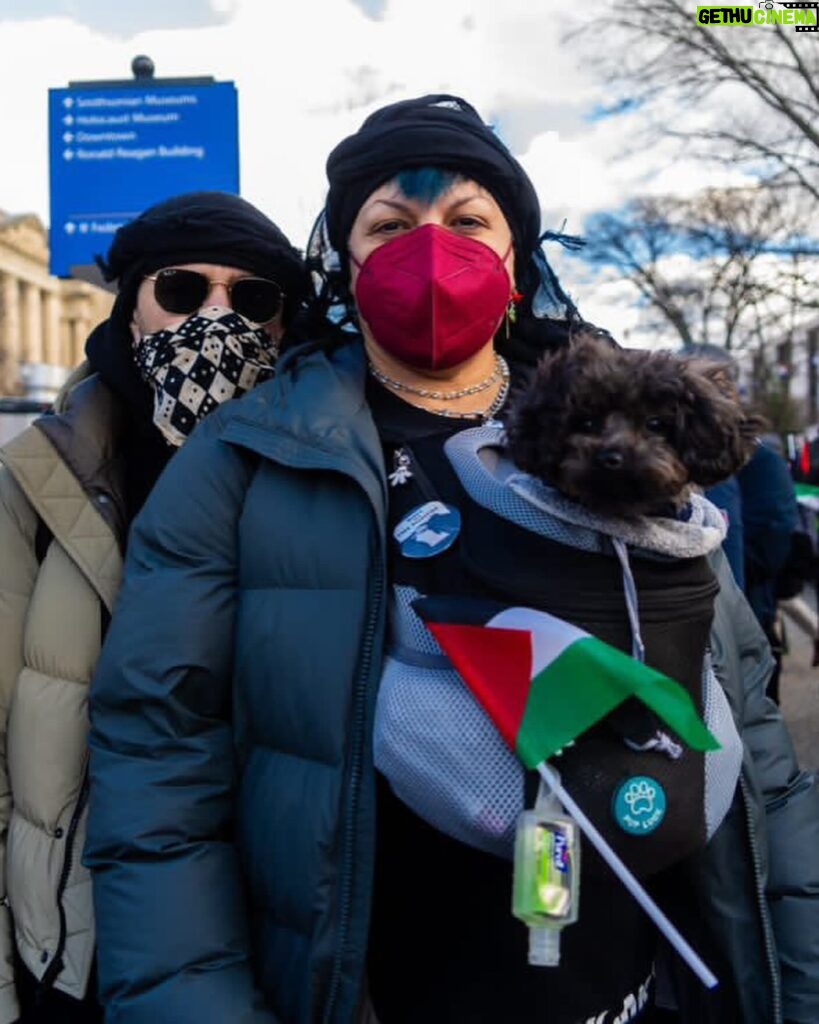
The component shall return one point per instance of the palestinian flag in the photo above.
(543, 681)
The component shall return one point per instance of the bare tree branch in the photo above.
(657, 54)
(720, 267)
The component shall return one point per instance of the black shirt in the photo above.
(444, 946)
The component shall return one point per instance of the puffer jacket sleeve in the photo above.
(789, 828)
(173, 938)
(18, 572)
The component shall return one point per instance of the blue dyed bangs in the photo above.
(426, 184)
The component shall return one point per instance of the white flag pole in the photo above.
(688, 954)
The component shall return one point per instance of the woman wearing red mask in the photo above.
(290, 807)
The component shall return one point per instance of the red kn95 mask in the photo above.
(433, 298)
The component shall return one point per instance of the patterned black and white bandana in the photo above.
(213, 356)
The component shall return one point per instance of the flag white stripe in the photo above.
(550, 635)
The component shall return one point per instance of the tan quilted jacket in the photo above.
(60, 471)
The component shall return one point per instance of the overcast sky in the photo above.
(308, 72)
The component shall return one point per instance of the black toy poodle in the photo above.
(628, 432)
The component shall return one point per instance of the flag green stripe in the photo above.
(806, 491)
(587, 681)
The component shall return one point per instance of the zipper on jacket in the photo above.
(360, 701)
(762, 904)
(53, 970)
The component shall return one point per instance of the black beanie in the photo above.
(201, 227)
(438, 131)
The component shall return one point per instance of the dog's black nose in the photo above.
(609, 458)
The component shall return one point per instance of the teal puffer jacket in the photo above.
(231, 826)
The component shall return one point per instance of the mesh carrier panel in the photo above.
(406, 629)
(438, 748)
(722, 766)
(445, 759)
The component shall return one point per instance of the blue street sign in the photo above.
(114, 151)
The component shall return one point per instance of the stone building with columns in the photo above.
(44, 320)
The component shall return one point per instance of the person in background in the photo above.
(804, 561)
(769, 519)
(273, 864)
(206, 286)
(727, 497)
(759, 506)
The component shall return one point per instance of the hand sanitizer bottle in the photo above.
(546, 887)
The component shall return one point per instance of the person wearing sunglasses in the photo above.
(207, 285)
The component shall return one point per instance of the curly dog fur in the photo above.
(628, 432)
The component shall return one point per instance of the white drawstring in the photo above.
(638, 649)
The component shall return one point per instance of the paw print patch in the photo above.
(639, 805)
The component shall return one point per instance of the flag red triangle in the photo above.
(496, 664)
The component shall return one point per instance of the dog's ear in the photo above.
(718, 373)
(537, 419)
(541, 413)
(716, 437)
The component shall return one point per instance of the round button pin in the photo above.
(639, 805)
(428, 530)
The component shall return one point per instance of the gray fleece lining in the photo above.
(490, 479)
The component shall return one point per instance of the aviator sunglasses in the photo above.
(185, 291)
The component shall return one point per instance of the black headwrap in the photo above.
(439, 131)
(201, 227)
(445, 132)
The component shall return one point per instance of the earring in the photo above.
(511, 314)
